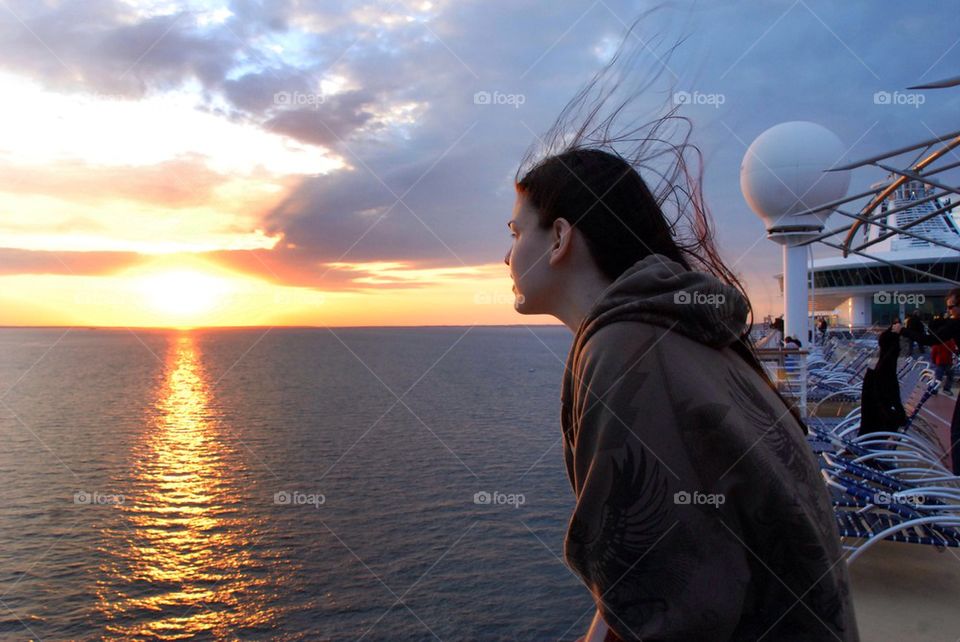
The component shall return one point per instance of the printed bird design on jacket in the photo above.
(608, 544)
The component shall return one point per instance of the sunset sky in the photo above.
(326, 163)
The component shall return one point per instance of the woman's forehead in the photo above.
(522, 207)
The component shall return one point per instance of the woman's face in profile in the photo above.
(527, 258)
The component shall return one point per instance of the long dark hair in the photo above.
(587, 169)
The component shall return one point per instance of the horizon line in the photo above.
(261, 327)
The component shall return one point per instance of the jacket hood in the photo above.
(659, 291)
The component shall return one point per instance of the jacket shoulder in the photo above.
(622, 343)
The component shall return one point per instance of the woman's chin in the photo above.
(520, 303)
(521, 306)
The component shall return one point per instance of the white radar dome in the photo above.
(782, 174)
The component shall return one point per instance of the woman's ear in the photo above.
(561, 240)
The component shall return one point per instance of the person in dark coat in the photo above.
(880, 406)
(914, 331)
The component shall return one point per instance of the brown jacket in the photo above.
(700, 512)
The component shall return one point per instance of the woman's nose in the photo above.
(506, 258)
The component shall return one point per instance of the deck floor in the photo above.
(908, 592)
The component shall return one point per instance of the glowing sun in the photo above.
(184, 293)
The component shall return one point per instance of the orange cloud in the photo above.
(180, 182)
(17, 261)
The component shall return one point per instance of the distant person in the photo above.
(822, 327)
(881, 408)
(700, 511)
(941, 355)
(792, 343)
(913, 331)
(947, 331)
(778, 326)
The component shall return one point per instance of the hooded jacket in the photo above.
(700, 512)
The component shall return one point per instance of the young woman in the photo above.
(700, 512)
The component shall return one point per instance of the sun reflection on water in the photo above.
(186, 561)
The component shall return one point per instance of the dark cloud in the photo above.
(101, 46)
(391, 208)
(326, 124)
(256, 91)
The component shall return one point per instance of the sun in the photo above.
(184, 294)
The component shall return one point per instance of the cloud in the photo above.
(327, 124)
(287, 267)
(105, 46)
(17, 261)
(294, 267)
(180, 182)
(255, 91)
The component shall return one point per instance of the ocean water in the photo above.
(285, 484)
